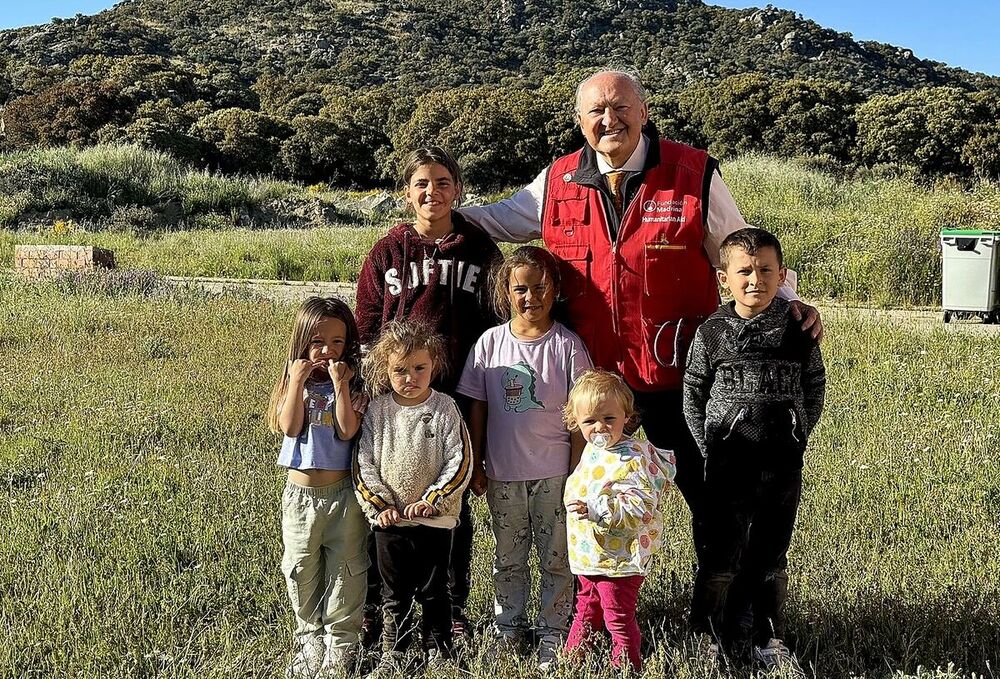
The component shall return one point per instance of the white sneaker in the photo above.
(337, 662)
(776, 658)
(308, 661)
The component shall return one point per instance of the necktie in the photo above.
(615, 179)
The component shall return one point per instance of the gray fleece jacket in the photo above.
(753, 389)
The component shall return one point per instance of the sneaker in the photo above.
(392, 665)
(308, 661)
(776, 658)
(548, 655)
(461, 630)
(338, 662)
(439, 662)
(371, 629)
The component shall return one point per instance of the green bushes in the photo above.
(96, 183)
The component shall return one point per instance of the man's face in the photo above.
(612, 116)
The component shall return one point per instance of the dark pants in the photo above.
(413, 563)
(460, 573)
(460, 570)
(749, 525)
(665, 427)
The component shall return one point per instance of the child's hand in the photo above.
(419, 508)
(340, 372)
(578, 507)
(479, 481)
(299, 370)
(388, 517)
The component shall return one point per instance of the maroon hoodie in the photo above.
(445, 284)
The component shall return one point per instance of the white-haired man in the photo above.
(635, 222)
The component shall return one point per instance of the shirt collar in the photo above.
(635, 163)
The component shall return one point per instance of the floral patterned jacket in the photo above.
(622, 486)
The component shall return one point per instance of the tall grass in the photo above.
(322, 254)
(92, 183)
(868, 239)
(864, 240)
(139, 530)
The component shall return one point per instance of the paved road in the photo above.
(295, 291)
(280, 291)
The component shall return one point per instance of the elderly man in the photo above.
(635, 222)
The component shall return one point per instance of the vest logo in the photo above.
(663, 211)
(663, 206)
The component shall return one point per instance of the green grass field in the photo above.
(862, 240)
(139, 535)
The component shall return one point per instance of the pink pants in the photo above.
(608, 603)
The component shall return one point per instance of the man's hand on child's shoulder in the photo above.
(812, 322)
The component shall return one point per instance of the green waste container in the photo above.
(970, 274)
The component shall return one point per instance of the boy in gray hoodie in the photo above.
(753, 391)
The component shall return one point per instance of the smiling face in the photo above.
(531, 295)
(410, 376)
(606, 416)
(611, 116)
(328, 340)
(753, 280)
(431, 193)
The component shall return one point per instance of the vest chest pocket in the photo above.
(569, 215)
(666, 268)
(574, 268)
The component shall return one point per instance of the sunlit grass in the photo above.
(140, 507)
(865, 240)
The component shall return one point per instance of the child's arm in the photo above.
(473, 385)
(455, 475)
(697, 385)
(373, 494)
(813, 387)
(579, 363)
(369, 301)
(291, 416)
(625, 502)
(478, 414)
(346, 420)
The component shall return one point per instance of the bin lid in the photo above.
(970, 232)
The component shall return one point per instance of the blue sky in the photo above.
(958, 32)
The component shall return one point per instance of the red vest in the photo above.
(635, 303)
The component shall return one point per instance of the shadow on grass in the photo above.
(877, 637)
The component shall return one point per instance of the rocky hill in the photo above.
(448, 43)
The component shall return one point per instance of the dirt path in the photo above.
(923, 318)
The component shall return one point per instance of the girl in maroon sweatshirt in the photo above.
(436, 270)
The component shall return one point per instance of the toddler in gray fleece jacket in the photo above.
(412, 453)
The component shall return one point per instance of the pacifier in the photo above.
(600, 440)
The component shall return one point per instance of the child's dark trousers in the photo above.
(749, 515)
(413, 562)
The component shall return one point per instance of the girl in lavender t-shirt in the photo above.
(519, 375)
